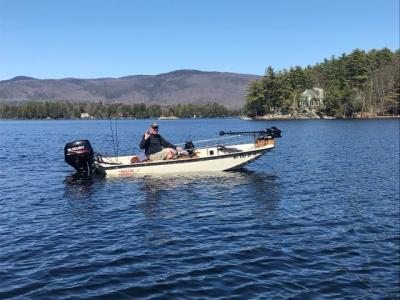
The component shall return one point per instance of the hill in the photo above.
(182, 86)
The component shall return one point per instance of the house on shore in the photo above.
(312, 99)
(85, 115)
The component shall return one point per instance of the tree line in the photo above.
(70, 110)
(363, 83)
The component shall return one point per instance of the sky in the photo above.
(92, 39)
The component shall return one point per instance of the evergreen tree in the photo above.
(357, 83)
(255, 99)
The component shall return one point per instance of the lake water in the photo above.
(317, 217)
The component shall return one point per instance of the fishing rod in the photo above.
(208, 140)
(273, 131)
(114, 140)
(266, 134)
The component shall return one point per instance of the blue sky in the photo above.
(90, 39)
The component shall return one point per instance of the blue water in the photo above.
(316, 218)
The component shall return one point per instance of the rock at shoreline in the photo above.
(317, 117)
(308, 116)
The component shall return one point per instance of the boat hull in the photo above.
(207, 163)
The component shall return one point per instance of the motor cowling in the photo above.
(80, 156)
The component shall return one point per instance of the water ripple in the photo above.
(317, 218)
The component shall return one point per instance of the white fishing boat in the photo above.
(80, 156)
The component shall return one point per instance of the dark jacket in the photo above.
(155, 143)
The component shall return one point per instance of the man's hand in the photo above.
(146, 135)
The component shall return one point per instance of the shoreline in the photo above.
(263, 118)
(288, 118)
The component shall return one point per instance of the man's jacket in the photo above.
(155, 143)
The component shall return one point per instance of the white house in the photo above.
(312, 99)
(85, 116)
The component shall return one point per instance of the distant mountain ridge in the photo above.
(181, 86)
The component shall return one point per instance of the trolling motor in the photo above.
(261, 138)
(80, 156)
(272, 132)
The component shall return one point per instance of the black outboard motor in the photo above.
(80, 156)
(189, 147)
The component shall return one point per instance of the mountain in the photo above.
(182, 86)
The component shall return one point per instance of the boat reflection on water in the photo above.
(81, 186)
(158, 185)
(149, 192)
(238, 186)
(255, 180)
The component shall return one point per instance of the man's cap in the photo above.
(154, 125)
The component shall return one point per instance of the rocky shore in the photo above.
(318, 117)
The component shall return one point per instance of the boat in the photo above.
(80, 155)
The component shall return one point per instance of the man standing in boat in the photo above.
(156, 147)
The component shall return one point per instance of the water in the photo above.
(318, 217)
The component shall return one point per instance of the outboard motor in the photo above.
(189, 147)
(80, 156)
